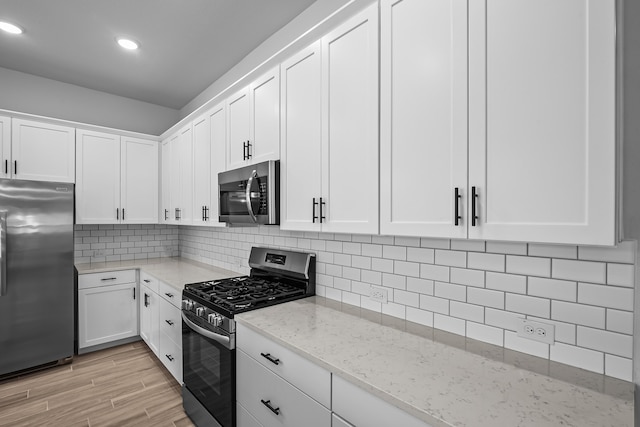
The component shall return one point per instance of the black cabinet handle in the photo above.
(170, 357)
(15, 167)
(456, 206)
(108, 278)
(123, 214)
(248, 150)
(134, 293)
(146, 299)
(177, 213)
(169, 294)
(474, 196)
(117, 214)
(313, 211)
(267, 403)
(322, 217)
(169, 322)
(206, 213)
(146, 281)
(166, 214)
(270, 358)
(6, 167)
(244, 150)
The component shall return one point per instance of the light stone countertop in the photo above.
(438, 383)
(174, 271)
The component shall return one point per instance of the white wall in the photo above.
(31, 94)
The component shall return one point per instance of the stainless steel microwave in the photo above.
(250, 195)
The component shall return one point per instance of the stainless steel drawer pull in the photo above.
(270, 358)
(267, 403)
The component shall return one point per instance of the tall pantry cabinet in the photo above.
(538, 163)
(329, 126)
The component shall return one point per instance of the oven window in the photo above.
(209, 374)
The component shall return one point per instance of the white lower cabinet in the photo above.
(149, 312)
(362, 409)
(336, 421)
(244, 418)
(272, 400)
(107, 308)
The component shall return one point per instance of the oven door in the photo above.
(209, 369)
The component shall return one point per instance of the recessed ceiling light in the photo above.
(10, 28)
(127, 43)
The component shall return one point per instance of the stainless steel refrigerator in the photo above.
(37, 289)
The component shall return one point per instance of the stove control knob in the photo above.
(200, 311)
(215, 319)
(187, 304)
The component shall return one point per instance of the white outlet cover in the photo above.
(378, 294)
(535, 330)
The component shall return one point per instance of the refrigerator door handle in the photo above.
(3, 253)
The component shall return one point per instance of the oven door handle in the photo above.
(222, 339)
(254, 174)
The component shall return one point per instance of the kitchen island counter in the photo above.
(174, 271)
(458, 383)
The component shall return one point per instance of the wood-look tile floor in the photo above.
(120, 386)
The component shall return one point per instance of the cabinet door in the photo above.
(149, 318)
(98, 178)
(350, 125)
(423, 107)
(139, 184)
(174, 177)
(170, 353)
(300, 166)
(106, 314)
(43, 152)
(165, 182)
(201, 169)
(186, 175)
(218, 138)
(239, 127)
(265, 117)
(5, 147)
(542, 120)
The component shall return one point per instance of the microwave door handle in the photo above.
(3, 253)
(222, 339)
(254, 174)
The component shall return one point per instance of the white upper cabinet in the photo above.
(209, 147)
(174, 177)
(166, 213)
(98, 178)
(5, 146)
(253, 116)
(350, 126)
(423, 109)
(301, 148)
(42, 152)
(139, 181)
(117, 179)
(542, 120)
(185, 195)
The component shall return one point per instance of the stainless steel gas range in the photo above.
(208, 327)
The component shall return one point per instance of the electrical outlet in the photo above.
(537, 331)
(98, 253)
(378, 294)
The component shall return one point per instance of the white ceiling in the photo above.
(185, 44)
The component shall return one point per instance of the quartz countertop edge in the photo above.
(174, 271)
(439, 384)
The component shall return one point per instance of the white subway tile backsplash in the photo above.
(484, 333)
(580, 357)
(472, 288)
(624, 253)
(534, 306)
(474, 313)
(463, 276)
(449, 324)
(582, 271)
(578, 314)
(618, 367)
(513, 248)
(451, 258)
(621, 274)
(531, 266)
(605, 341)
(506, 282)
(553, 289)
(620, 321)
(605, 296)
(553, 251)
(482, 261)
(450, 291)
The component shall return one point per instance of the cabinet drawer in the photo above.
(94, 280)
(307, 376)
(171, 356)
(148, 280)
(258, 387)
(364, 409)
(171, 322)
(169, 293)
